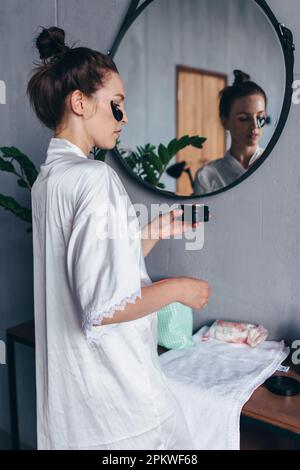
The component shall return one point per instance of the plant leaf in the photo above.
(22, 183)
(149, 147)
(197, 141)
(6, 166)
(132, 160)
(164, 154)
(99, 154)
(181, 144)
(151, 176)
(171, 146)
(27, 165)
(156, 162)
(9, 203)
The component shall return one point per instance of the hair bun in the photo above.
(240, 77)
(51, 42)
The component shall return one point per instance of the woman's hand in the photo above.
(167, 225)
(193, 292)
(162, 227)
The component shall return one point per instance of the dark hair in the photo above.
(63, 70)
(241, 87)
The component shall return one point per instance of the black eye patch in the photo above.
(118, 115)
(261, 121)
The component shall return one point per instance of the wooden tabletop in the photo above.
(23, 332)
(277, 410)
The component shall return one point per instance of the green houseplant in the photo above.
(150, 163)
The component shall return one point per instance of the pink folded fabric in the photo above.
(235, 332)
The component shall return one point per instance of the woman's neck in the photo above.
(78, 140)
(242, 154)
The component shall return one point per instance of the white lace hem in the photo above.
(91, 325)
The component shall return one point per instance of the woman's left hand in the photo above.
(166, 225)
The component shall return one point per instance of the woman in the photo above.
(99, 382)
(243, 113)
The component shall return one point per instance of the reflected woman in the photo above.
(242, 111)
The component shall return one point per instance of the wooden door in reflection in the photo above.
(198, 114)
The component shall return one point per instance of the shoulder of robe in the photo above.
(96, 185)
(114, 181)
(90, 186)
(209, 168)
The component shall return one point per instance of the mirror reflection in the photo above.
(243, 113)
(205, 85)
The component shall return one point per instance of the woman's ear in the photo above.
(225, 123)
(77, 102)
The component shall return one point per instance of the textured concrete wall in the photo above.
(251, 252)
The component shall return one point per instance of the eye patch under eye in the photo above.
(118, 115)
(261, 121)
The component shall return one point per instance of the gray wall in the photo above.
(251, 251)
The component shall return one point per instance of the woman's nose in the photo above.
(254, 124)
(125, 117)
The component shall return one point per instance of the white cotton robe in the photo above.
(98, 387)
(221, 172)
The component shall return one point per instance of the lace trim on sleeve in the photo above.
(91, 324)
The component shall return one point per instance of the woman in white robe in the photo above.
(222, 172)
(243, 114)
(98, 378)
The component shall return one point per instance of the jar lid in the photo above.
(282, 385)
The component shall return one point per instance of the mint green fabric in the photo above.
(175, 326)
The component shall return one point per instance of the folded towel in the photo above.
(237, 332)
(213, 380)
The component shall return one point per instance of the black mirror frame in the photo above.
(285, 37)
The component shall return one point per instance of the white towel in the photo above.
(213, 380)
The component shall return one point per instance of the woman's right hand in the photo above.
(193, 292)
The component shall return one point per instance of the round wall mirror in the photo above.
(208, 90)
